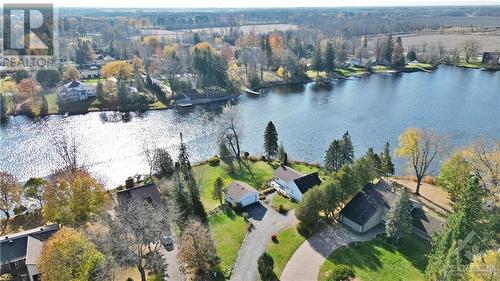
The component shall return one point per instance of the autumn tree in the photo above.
(72, 197)
(484, 267)
(28, 88)
(70, 73)
(118, 69)
(470, 48)
(10, 193)
(398, 222)
(197, 250)
(270, 140)
(68, 255)
(420, 147)
(483, 156)
(218, 192)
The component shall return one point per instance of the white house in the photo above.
(240, 193)
(19, 252)
(292, 183)
(76, 91)
(89, 73)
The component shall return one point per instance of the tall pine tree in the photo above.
(333, 157)
(330, 58)
(270, 140)
(347, 149)
(318, 64)
(376, 161)
(398, 223)
(387, 165)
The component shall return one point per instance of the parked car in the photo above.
(167, 243)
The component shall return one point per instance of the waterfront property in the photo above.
(76, 91)
(293, 183)
(370, 206)
(241, 194)
(19, 252)
(491, 58)
(138, 192)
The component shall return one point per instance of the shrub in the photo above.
(155, 277)
(341, 272)
(267, 191)
(246, 154)
(263, 158)
(249, 226)
(281, 209)
(19, 209)
(214, 161)
(130, 279)
(262, 197)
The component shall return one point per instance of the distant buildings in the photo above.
(19, 252)
(491, 58)
(76, 91)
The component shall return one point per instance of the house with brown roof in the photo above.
(241, 194)
(293, 183)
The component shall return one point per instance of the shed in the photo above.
(240, 193)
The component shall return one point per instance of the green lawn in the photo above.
(52, 103)
(378, 260)
(304, 168)
(285, 202)
(419, 65)
(91, 81)
(288, 241)
(228, 230)
(207, 175)
(382, 69)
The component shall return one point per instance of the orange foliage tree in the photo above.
(119, 69)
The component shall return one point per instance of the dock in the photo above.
(248, 91)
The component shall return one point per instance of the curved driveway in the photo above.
(305, 263)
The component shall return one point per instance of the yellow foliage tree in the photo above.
(281, 72)
(119, 69)
(72, 197)
(67, 255)
(485, 267)
(203, 46)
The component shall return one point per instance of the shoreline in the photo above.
(267, 85)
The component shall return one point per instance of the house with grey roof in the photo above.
(240, 194)
(293, 183)
(370, 206)
(76, 91)
(139, 192)
(19, 252)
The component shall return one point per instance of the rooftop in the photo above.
(286, 173)
(237, 189)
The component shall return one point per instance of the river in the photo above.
(461, 103)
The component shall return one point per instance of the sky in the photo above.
(251, 3)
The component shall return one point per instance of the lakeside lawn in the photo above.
(228, 231)
(288, 241)
(378, 260)
(382, 69)
(425, 66)
(92, 81)
(285, 202)
(207, 175)
(52, 103)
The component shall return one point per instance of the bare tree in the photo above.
(420, 147)
(149, 157)
(10, 195)
(132, 237)
(484, 158)
(68, 152)
(470, 48)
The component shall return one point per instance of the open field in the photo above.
(488, 42)
(378, 260)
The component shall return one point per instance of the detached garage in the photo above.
(240, 193)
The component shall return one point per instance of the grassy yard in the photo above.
(92, 81)
(377, 260)
(52, 103)
(288, 241)
(426, 66)
(285, 202)
(304, 168)
(207, 175)
(470, 64)
(228, 230)
(382, 69)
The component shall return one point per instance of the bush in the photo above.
(246, 154)
(262, 197)
(281, 209)
(214, 161)
(267, 191)
(19, 209)
(341, 272)
(249, 226)
(155, 277)
(130, 279)
(263, 158)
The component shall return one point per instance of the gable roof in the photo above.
(73, 84)
(237, 190)
(364, 205)
(286, 173)
(140, 193)
(18, 245)
(425, 222)
(308, 181)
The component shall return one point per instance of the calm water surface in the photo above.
(461, 103)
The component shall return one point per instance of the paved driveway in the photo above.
(266, 222)
(305, 262)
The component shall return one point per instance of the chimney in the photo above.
(129, 183)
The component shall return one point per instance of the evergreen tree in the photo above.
(398, 223)
(163, 165)
(225, 155)
(270, 140)
(181, 203)
(333, 157)
(411, 55)
(330, 58)
(183, 158)
(387, 49)
(123, 95)
(387, 165)
(347, 149)
(3, 107)
(218, 192)
(99, 92)
(398, 58)
(265, 266)
(318, 60)
(376, 161)
(196, 38)
(282, 155)
(197, 208)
